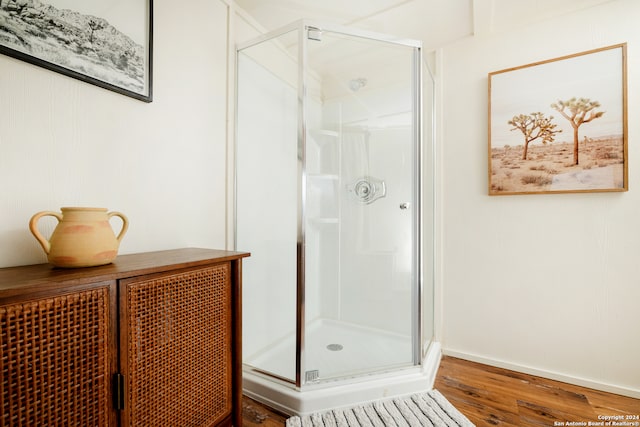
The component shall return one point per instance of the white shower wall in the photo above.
(269, 229)
(373, 290)
(376, 241)
(374, 279)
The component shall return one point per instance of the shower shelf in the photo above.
(317, 221)
(318, 134)
(327, 176)
(322, 191)
(323, 152)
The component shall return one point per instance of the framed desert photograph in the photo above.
(560, 126)
(107, 43)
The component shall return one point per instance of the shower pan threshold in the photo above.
(345, 392)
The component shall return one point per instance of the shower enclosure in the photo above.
(334, 206)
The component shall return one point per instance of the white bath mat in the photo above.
(423, 409)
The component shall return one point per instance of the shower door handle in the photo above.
(404, 206)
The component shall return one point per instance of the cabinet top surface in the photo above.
(14, 278)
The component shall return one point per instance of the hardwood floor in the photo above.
(256, 414)
(491, 396)
(494, 396)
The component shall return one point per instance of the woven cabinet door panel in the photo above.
(55, 361)
(178, 348)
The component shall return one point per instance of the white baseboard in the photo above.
(431, 362)
(583, 382)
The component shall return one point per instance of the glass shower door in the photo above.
(267, 199)
(361, 206)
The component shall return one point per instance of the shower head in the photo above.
(357, 84)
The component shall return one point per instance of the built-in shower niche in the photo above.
(323, 179)
(323, 152)
(322, 250)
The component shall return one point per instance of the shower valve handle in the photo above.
(405, 205)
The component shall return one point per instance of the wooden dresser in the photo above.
(153, 339)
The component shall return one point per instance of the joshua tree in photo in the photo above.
(577, 111)
(95, 26)
(534, 126)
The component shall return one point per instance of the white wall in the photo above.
(544, 283)
(547, 284)
(67, 143)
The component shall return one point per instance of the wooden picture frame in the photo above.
(107, 43)
(560, 126)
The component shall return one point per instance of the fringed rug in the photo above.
(423, 409)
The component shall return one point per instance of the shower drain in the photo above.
(335, 347)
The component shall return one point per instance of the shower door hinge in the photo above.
(118, 391)
(314, 34)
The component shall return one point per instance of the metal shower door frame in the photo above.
(303, 26)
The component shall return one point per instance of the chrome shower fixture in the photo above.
(357, 84)
(367, 189)
(314, 34)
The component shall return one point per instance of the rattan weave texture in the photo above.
(179, 354)
(54, 361)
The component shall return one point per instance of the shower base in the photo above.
(362, 350)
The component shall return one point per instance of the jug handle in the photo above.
(125, 224)
(33, 226)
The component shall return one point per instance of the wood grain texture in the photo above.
(18, 280)
(187, 309)
(491, 396)
(255, 414)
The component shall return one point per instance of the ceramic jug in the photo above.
(83, 236)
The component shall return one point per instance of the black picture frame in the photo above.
(82, 44)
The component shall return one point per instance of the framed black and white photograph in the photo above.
(560, 125)
(107, 43)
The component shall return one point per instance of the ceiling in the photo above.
(435, 22)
